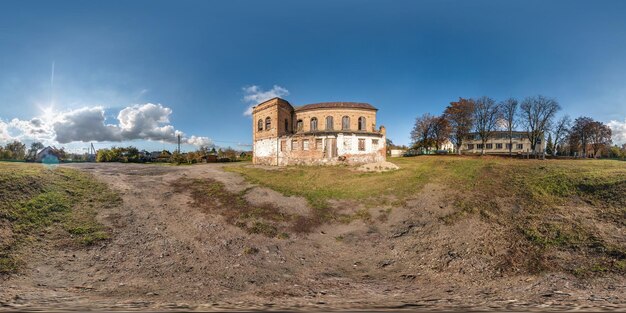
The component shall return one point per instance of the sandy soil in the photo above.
(166, 254)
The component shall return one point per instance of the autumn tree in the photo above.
(422, 133)
(486, 113)
(579, 134)
(599, 137)
(536, 114)
(440, 131)
(460, 117)
(561, 130)
(508, 114)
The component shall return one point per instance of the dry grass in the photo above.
(542, 202)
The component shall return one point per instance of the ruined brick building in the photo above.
(319, 133)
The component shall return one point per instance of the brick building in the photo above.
(319, 133)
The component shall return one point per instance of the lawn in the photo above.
(39, 203)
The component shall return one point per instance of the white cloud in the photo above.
(139, 122)
(199, 141)
(254, 95)
(618, 130)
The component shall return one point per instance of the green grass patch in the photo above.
(34, 198)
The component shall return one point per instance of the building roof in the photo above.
(328, 105)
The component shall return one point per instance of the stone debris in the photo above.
(378, 167)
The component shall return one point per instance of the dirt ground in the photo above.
(165, 254)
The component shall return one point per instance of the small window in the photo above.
(508, 146)
(259, 125)
(345, 123)
(329, 123)
(520, 146)
(470, 146)
(268, 123)
(299, 125)
(294, 145)
(286, 125)
(374, 143)
(361, 144)
(314, 124)
(283, 144)
(479, 146)
(489, 146)
(319, 144)
(305, 144)
(362, 123)
(498, 146)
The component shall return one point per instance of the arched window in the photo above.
(268, 123)
(345, 123)
(259, 125)
(362, 123)
(314, 124)
(286, 125)
(329, 123)
(299, 125)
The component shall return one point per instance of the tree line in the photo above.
(535, 116)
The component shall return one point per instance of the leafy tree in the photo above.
(599, 137)
(460, 116)
(549, 145)
(440, 131)
(486, 113)
(422, 133)
(16, 149)
(579, 134)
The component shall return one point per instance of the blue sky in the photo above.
(195, 59)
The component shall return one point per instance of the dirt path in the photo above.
(166, 254)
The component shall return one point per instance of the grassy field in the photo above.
(566, 205)
(40, 203)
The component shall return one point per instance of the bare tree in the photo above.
(485, 119)
(536, 114)
(508, 111)
(422, 133)
(460, 116)
(560, 131)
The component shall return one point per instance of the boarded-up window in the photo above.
(299, 125)
(345, 123)
(374, 143)
(329, 123)
(294, 145)
(361, 144)
(268, 123)
(319, 144)
(305, 144)
(314, 124)
(283, 145)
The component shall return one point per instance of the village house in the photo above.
(499, 143)
(49, 155)
(319, 133)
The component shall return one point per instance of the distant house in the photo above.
(499, 143)
(49, 155)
